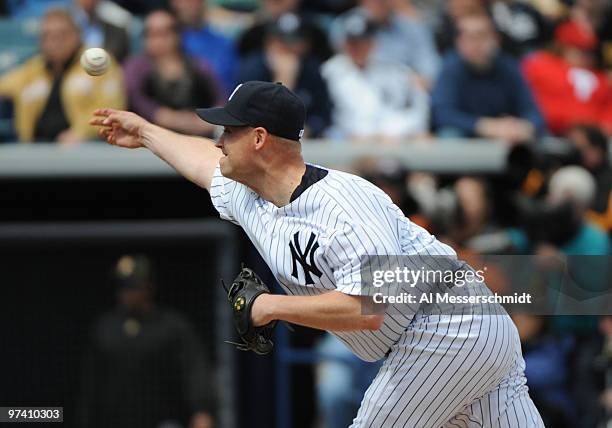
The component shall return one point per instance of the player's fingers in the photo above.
(97, 122)
(104, 111)
(111, 120)
(104, 132)
(108, 135)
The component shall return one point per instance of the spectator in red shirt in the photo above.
(566, 83)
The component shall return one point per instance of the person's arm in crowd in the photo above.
(526, 104)
(185, 120)
(193, 157)
(208, 93)
(428, 63)
(12, 82)
(527, 121)
(136, 71)
(416, 116)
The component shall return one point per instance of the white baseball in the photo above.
(95, 61)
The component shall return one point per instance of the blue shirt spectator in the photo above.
(480, 90)
(201, 41)
(462, 95)
(218, 51)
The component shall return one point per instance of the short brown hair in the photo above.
(57, 12)
(475, 16)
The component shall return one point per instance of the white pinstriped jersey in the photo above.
(314, 244)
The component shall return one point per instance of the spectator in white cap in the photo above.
(372, 98)
(399, 36)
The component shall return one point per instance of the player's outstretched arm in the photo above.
(332, 311)
(193, 157)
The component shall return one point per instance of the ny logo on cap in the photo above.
(237, 87)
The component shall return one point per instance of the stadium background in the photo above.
(70, 209)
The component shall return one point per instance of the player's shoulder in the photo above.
(219, 182)
(344, 181)
(349, 192)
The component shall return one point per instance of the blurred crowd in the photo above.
(382, 72)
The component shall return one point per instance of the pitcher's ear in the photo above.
(261, 136)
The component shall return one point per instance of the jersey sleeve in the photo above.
(346, 252)
(221, 194)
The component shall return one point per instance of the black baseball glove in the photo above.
(241, 295)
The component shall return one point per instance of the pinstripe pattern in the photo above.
(351, 218)
(460, 369)
(463, 370)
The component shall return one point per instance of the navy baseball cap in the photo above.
(269, 105)
(357, 25)
(288, 27)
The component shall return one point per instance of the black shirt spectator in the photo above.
(285, 58)
(53, 121)
(253, 39)
(144, 365)
(143, 369)
(194, 89)
(165, 85)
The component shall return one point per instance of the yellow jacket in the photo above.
(29, 86)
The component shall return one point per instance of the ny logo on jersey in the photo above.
(306, 258)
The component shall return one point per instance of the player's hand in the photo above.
(120, 128)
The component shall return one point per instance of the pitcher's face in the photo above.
(236, 143)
